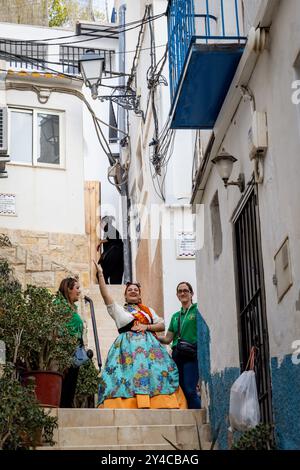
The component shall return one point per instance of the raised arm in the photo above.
(108, 300)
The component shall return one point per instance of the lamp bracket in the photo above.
(240, 182)
(129, 101)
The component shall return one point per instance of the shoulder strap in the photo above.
(179, 320)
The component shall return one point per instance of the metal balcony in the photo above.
(205, 47)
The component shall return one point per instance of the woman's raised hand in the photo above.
(98, 267)
(108, 300)
(99, 270)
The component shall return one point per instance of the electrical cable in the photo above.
(137, 49)
(96, 120)
(110, 50)
(137, 23)
(32, 62)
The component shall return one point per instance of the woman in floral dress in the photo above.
(139, 373)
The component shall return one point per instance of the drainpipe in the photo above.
(122, 126)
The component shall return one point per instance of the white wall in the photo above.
(279, 197)
(86, 159)
(49, 199)
(175, 270)
(179, 171)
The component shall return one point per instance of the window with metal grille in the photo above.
(23, 54)
(70, 55)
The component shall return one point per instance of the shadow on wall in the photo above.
(218, 384)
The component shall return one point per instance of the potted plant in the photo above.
(87, 385)
(33, 326)
(23, 423)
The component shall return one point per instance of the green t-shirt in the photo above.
(75, 324)
(188, 325)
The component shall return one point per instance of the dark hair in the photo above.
(188, 284)
(67, 284)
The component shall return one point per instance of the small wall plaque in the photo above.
(7, 204)
(186, 245)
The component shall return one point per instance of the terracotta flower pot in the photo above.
(47, 386)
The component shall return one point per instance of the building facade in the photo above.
(57, 171)
(247, 271)
(161, 225)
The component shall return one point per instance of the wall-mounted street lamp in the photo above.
(224, 163)
(91, 67)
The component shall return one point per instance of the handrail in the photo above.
(203, 21)
(97, 346)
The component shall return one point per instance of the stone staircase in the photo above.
(107, 331)
(120, 429)
(125, 429)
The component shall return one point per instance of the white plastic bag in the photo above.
(244, 407)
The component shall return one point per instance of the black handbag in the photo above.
(184, 349)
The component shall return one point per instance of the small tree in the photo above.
(67, 12)
(87, 385)
(58, 13)
(22, 421)
(33, 325)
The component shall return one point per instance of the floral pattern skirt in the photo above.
(137, 364)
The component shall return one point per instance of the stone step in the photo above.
(125, 435)
(120, 417)
(205, 446)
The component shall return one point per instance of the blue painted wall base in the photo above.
(286, 403)
(285, 394)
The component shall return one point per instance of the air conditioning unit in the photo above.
(258, 135)
(3, 131)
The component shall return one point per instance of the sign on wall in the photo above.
(7, 204)
(186, 245)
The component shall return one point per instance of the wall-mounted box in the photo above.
(283, 270)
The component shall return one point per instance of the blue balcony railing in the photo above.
(201, 22)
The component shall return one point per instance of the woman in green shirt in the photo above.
(187, 367)
(70, 292)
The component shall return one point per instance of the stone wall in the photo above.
(33, 12)
(44, 259)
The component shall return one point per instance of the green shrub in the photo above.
(87, 385)
(33, 326)
(22, 421)
(258, 438)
